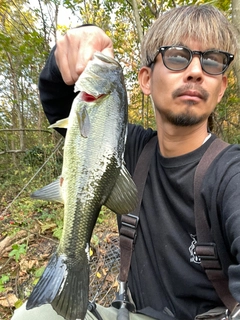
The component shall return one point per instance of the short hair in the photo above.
(203, 23)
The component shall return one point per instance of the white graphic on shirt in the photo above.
(192, 249)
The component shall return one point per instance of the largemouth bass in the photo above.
(93, 174)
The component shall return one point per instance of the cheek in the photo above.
(221, 89)
(160, 87)
(221, 94)
(218, 94)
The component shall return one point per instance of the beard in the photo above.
(187, 118)
(184, 119)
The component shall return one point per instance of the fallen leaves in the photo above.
(8, 300)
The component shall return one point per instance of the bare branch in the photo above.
(13, 151)
(38, 130)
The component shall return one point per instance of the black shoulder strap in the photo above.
(128, 230)
(129, 222)
(206, 246)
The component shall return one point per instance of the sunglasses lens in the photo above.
(214, 62)
(176, 58)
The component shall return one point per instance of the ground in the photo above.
(26, 245)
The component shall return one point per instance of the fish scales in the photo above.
(93, 174)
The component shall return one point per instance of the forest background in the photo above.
(30, 153)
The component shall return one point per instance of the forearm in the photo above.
(56, 97)
(232, 224)
(221, 194)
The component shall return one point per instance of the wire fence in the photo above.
(104, 269)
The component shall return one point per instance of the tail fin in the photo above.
(64, 286)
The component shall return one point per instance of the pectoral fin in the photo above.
(51, 192)
(84, 122)
(63, 123)
(123, 198)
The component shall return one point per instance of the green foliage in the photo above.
(18, 250)
(226, 116)
(37, 274)
(3, 280)
(101, 216)
(16, 176)
(57, 231)
(95, 240)
(26, 212)
(34, 157)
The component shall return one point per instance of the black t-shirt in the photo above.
(165, 271)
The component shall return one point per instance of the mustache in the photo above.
(180, 91)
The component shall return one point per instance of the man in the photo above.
(185, 56)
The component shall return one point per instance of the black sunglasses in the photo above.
(177, 58)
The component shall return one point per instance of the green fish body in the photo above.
(93, 174)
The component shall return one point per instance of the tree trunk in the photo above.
(137, 20)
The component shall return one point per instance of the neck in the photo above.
(176, 141)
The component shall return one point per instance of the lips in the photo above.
(191, 93)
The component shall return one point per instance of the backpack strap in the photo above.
(206, 247)
(128, 229)
(129, 222)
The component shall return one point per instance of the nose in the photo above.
(194, 72)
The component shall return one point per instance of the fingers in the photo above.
(66, 55)
(76, 48)
(87, 52)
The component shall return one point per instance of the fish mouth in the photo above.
(87, 97)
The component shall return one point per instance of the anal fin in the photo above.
(50, 192)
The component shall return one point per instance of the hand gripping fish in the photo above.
(93, 174)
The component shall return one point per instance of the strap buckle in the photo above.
(207, 252)
(130, 220)
(129, 226)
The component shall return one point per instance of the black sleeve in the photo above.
(56, 97)
(221, 192)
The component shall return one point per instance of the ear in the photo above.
(144, 79)
(224, 85)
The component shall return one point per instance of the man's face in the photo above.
(183, 98)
